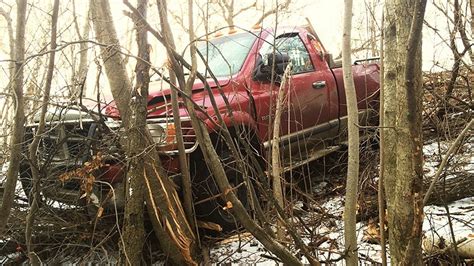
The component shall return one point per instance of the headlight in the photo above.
(163, 134)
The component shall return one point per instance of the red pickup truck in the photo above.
(243, 72)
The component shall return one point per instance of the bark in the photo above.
(134, 231)
(380, 188)
(34, 163)
(187, 183)
(410, 172)
(115, 69)
(403, 166)
(389, 101)
(18, 129)
(452, 44)
(276, 163)
(445, 191)
(350, 206)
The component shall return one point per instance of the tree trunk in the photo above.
(276, 163)
(183, 162)
(389, 100)
(380, 186)
(134, 231)
(18, 124)
(114, 67)
(164, 207)
(403, 167)
(34, 163)
(350, 205)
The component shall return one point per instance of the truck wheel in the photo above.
(216, 210)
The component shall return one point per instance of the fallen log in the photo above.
(445, 191)
(452, 189)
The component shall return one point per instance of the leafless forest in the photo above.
(124, 140)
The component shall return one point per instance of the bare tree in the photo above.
(18, 124)
(134, 231)
(276, 164)
(350, 205)
(33, 158)
(187, 190)
(166, 212)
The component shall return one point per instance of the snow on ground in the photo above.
(437, 229)
(458, 163)
(249, 251)
(436, 224)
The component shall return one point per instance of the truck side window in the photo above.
(292, 45)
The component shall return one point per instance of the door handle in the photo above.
(319, 84)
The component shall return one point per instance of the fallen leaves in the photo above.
(85, 175)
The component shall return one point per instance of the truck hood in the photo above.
(161, 96)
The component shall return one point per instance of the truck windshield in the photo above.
(225, 55)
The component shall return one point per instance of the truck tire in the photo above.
(216, 210)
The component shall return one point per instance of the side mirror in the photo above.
(263, 70)
(281, 61)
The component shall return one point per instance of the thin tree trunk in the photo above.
(34, 163)
(350, 206)
(18, 125)
(389, 101)
(276, 164)
(134, 231)
(381, 194)
(183, 162)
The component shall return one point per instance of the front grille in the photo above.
(189, 137)
(66, 142)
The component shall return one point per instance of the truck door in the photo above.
(309, 85)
